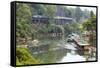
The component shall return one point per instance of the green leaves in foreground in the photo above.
(23, 57)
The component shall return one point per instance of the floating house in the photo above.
(58, 20)
(39, 19)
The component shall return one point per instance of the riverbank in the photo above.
(24, 57)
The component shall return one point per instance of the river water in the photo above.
(59, 51)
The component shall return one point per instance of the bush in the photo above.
(23, 57)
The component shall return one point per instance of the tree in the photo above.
(38, 9)
(23, 21)
(78, 14)
(86, 14)
(67, 12)
(90, 25)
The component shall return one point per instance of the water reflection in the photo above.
(72, 58)
(52, 51)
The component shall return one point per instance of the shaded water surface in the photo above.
(58, 51)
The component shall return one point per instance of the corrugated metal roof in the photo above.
(39, 16)
(56, 17)
(59, 17)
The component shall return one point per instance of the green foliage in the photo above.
(90, 25)
(23, 21)
(68, 12)
(86, 14)
(50, 10)
(25, 29)
(38, 9)
(23, 57)
(46, 10)
(78, 14)
(24, 13)
(72, 28)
